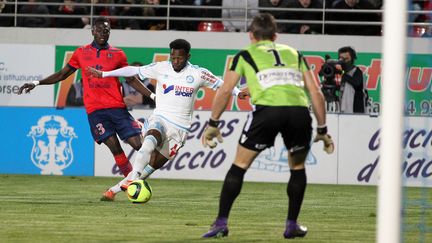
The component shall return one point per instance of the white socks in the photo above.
(141, 168)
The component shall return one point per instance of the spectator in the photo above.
(6, 9)
(353, 29)
(75, 95)
(305, 28)
(102, 9)
(278, 14)
(209, 13)
(153, 24)
(133, 98)
(193, 12)
(126, 11)
(182, 12)
(34, 8)
(69, 8)
(235, 12)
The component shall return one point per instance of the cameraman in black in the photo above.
(352, 92)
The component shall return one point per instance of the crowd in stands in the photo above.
(294, 16)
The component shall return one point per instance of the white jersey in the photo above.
(176, 91)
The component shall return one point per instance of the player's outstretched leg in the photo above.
(218, 229)
(109, 195)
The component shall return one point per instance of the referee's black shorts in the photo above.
(265, 122)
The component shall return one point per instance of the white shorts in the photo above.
(173, 138)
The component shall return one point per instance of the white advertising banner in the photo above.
(25, 63)
(196, 162)
(359, 151)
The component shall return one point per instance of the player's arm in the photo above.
(318, 107)
(224, 93)
(128, 71)
(241, 94)
(219, 105)
(140, 87)
(317, 97)
(52, 79)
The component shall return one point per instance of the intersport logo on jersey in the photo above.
(178, 90)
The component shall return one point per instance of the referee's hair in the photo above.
(101, 19)
(263, 26)
(180, 44)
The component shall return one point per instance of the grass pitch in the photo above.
(67, 209)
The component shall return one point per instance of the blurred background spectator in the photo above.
(69, 8)
(6, 9)
(420, 30)
(152, 24)
(133, 98)
(278, 14)
(109, 11)
(125, 11)
(353, 29)
(34, 8)
(194, 13)
(75, 94)
(235, 12)
(305, 28)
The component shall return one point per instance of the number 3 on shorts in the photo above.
(100, 128)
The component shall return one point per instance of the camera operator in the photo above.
(329, 86)
(353, 94)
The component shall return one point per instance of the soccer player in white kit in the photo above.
(178, 81)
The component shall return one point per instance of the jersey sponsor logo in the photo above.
(179, 90)
(208, 77)
(52, 144)
(280, 76)
(190, 79)
(184, 91)
(167, 89)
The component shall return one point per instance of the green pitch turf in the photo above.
(67, 209)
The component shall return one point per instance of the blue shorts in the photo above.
(108, 122)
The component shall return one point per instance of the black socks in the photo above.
(230, 190)
(295, 190)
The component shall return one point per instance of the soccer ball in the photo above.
(139, 191)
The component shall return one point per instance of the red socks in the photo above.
(123, 163)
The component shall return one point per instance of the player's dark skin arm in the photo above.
(138, 86)
(52, 79)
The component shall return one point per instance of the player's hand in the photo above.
(323, 136)
(26, 87)
(94, 72)
(243, 94)
(211, 132)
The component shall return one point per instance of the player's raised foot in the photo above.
(108, 196)
(294, 230)
(124, 187)
(218, 229)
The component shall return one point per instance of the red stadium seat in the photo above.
(211, 26)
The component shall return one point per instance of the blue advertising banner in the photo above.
(46, 141)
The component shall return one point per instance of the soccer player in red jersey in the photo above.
(103, 100)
